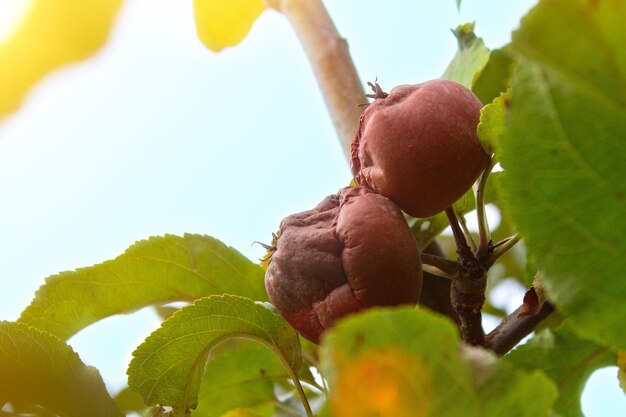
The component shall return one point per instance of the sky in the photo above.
(156, 134)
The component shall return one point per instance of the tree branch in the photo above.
(332, 64)
(514, 328)
(468, 293)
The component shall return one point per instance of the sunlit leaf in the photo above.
(567, 360)
(40, 369)
(154, 271)
(470, 59)
(495, 76)
(563, 153)
(407, 362)
(491, 126)
(52, 34)
(222, 23)
(399, 362)
(167, 368)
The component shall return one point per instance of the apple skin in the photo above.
(419, 146)
(353, 251)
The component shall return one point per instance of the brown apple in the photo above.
(353, 251)
(418, 146)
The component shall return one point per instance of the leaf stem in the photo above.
(503, 247)
(286, 408)
(332, 64)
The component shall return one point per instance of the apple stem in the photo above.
(485, 245)
(467, 233)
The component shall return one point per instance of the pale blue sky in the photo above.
(158, 135)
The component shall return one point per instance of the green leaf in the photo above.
(492, 122)
(239, 378)
(167, 368)
(129, 401)
(400, 362)
(241, 412)
(494, 78)
(458, 5)
(154, 271)
(513, 393)
(40, 369)
(563, 149)
(470, 59)
(406, 362)
(567, 360)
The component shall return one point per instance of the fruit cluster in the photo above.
(416, 150)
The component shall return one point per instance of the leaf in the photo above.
(129, 401)
(494, 78)
(511, 392)
(567, 360)
(492, 122)
(40, 369)
(396, 362)
(242, 412)
(470, 59)
(52, 34)
(222, 23)
(563, 150)
(406, 362)
(239, 378)
(458, 5)
(154, 271)
(166, 368)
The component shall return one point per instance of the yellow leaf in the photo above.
(52, 33)
(383, 383)
(223, 23)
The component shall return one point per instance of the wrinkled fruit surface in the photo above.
(419, 147)
(353, 251)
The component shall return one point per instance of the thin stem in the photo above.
(302, 395)
(442, 266)
(286, 409)
(484, 234)
(467, 233)
(433, 270)
(332, 64)
(459, 236)
(310, 359)
(503, 247)
(514, 328)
